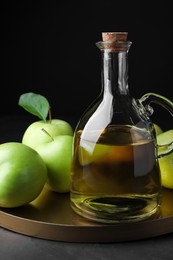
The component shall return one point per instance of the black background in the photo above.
(49, 48)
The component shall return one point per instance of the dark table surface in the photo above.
(18, 246)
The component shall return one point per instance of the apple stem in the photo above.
(47, 133)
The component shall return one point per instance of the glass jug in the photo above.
(115, 174)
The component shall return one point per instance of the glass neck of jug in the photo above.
(114, 67)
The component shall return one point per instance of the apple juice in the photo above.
(115, 175)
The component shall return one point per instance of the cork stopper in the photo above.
(114, 41)
(114, 36)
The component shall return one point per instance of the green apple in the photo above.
(57, 155)
(42, 131)
(165, 138)
(166, 162)
(23, 174)
(51, 138)
(158, 129)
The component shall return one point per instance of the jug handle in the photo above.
(149, 98)
(166, 103)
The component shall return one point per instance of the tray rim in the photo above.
(88, 234)
(100, 233)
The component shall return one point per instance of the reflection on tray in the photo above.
(55, 208)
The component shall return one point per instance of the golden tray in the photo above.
(51, 217)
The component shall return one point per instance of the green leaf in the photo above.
(35, 104)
